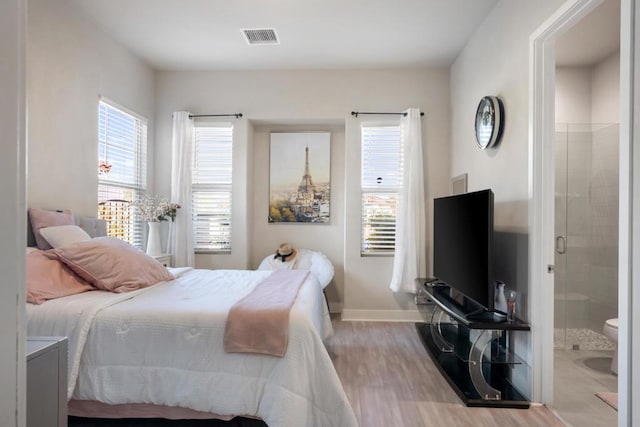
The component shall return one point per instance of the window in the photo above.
(382, 164)
(122, 166)
(211, 188)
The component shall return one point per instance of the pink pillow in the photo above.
(113, 265)
(48, 278)
(40, 219)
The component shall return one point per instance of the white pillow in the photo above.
(64, 235)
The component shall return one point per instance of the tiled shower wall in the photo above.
(603, 283)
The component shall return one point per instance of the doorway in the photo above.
(586, 177)
(586, 280)
(542, 248)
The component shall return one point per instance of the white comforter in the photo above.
(163, 345)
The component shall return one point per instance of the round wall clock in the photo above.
(489, 121)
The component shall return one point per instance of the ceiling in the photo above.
(592, 39)
(313, 34)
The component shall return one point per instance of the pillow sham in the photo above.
(64, 235)
(47, 278)
(40, 219)
(112, 265)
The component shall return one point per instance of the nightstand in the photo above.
(164, 259)
(46, 382)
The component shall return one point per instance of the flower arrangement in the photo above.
(156, 209)
(103, 167)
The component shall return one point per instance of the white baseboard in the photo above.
(382, 315)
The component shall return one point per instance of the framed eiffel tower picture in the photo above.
(299, 177)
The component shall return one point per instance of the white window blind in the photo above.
(382, 164)
(122, 166)
(211, 188)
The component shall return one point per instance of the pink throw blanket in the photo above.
(259, 322)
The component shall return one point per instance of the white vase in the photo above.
(154, 246)
(500, 298)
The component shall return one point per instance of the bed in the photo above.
(157, 352)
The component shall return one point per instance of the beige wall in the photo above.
(496, 62)
(605, 87)
(573, 94)
(326, 238)
(70, 65)
(589, 94)
(309, 100)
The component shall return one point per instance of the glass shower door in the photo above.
(573, 227)
(586, 200)
(560, 258)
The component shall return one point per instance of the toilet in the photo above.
(610, 330)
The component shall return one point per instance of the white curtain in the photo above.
(181, 234)
(409, 260)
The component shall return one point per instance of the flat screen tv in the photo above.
(462, 240)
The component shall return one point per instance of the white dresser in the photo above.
(164, 259)
(46, 382)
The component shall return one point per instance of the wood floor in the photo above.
(391, 381)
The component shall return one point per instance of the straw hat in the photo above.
(285, 252)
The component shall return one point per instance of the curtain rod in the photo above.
(236, 115)
(356, 113)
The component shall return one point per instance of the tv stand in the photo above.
(472, 350)
(485, 316)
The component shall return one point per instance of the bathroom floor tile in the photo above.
(578, 376)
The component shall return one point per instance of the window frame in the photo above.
(137, 186)
(368, 188)
(224, 187)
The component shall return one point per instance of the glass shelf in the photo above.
(499, 354)
(488, 385)
(468, 312)
(471, 348)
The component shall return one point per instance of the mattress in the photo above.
(163, 346)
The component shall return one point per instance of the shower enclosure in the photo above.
(586, 227)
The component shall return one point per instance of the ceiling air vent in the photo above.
(261, 36)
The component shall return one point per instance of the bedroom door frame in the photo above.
(13, 122)
(541, 195)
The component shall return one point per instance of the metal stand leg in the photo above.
(476, 355)
(436, 331)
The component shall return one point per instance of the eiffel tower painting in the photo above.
(295, 199)
(306, 185)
